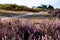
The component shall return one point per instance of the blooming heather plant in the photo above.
(23, 29)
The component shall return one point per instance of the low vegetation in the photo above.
(23, 29)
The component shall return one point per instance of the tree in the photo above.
(44, 6)
(50, 7)
(33, 7)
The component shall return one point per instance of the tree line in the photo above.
(45, 7)
(15, 7)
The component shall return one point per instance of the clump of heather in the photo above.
(25, 29)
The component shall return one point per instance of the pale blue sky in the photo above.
(30, 3)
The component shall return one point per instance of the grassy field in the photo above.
(15, 12)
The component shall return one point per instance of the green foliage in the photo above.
(8, 6)
(42, 7)
(45, 7)
(15, 7)
(50, 7)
